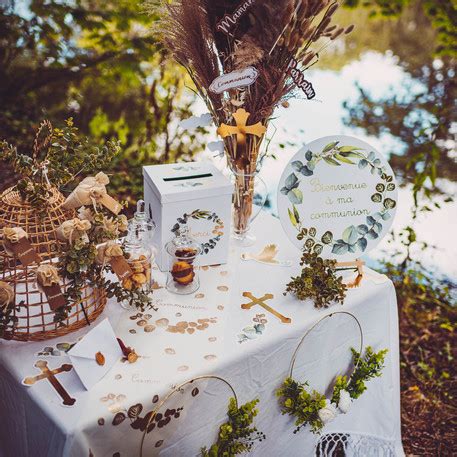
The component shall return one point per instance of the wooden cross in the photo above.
(241, 129)
(356, 264)
(48, 374)
(261, 302)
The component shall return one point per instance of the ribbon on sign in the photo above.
(92, 190)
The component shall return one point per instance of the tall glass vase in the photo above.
(249, 197)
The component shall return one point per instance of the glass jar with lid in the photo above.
(143, 226)
(139, 257)
(182, 277)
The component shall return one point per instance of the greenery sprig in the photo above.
(313, 408)
(58, 157)
(296, 401)
(318, 281)
(236, 435)
(367, 367)
(8, 318)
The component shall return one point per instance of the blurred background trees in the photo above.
(423, 36)
(95, 61)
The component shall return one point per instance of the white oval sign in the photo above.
(239, 78)
(337, 196)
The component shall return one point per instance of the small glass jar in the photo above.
(182, 277)
(143, 227)
(139, 257)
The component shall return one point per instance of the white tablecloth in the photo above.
(107, 420)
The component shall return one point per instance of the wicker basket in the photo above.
(36, 319)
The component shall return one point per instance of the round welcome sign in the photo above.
(337, 196)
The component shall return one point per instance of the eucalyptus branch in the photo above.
(237, 435)
(318, 281)
(313, 408)
(67, 154)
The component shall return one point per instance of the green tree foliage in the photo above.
(383, 34)
(422, 117)
(48, 49)
(98, 63)
(442, 14)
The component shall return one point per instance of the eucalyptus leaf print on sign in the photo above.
(291, 190)
(337, 197)
(217, 229)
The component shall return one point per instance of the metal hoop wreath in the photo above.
(177, 389)
(294, 356)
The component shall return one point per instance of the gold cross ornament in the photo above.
(241, 129)
(261, 302)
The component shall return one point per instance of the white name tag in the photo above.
(239, 78)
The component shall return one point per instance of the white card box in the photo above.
(196, 193)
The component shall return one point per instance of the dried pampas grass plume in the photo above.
(247, 53)
(268, 35)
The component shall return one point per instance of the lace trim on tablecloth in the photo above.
(353, 445)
